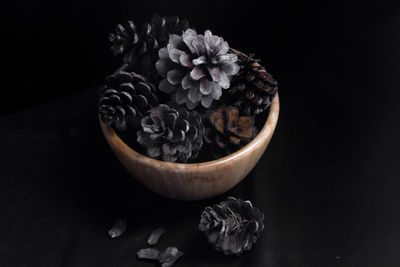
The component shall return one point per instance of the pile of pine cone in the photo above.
(182, 92)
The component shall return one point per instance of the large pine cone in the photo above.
(140, 47)
(232, 226)
(228, 130)
(170, 134)
(253, 86)
(125, 96)
(195, 67)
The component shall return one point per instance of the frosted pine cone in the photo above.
(196, 68)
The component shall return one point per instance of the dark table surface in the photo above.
(328, 184)
(329, 181)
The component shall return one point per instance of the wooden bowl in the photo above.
(194, 181)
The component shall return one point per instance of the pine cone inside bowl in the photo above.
(228, 130)
(170, 134)
(125, 97)
(196, 68)
(140, 46)
(253, 87)
(124, 38)
(232, 226)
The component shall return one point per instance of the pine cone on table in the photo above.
(228, 130)
(170, 134)
(232, 226)
(125, 96)
(196, 68)
(253, 86)
(140, 47)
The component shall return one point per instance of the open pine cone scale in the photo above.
(229, 130)
(253, 87)
(126, 97)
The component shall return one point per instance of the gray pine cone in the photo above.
(173, 135)
(232, 226)
(125, 96)
(162, 27)
(140, 47)
(196, 67)
(124, 39)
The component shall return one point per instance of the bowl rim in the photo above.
(265, 133)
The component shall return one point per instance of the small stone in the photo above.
(148, 254)
(169, 256)
(155, 235)
(118, 228)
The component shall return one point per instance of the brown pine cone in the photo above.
(228, 130)
(253, 86)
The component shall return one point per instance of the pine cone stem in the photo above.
(241, 54)
(236, 52)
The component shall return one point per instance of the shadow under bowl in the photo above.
(194, 181)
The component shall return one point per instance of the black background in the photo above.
(328, 181)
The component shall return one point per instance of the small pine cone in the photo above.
(253, 86)
(229, 130)
(232, 226)
(173, 135)
(126, 96)
(140, 47)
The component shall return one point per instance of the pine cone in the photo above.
(171, 135)
(229, 130)
(162, 27)
(253, 86)
(195, 67)
(140, 48)
(126, 96)
(124, 38)
(232, 226)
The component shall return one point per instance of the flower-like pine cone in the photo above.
(125, 96)
(140, 47)
(195, 68)
(232, 226)
(228, 130)
(173, 135)
(253, 86)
